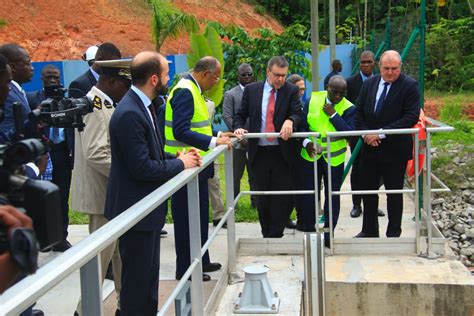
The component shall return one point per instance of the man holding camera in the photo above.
(93, 158)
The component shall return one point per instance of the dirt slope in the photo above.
(56, 30)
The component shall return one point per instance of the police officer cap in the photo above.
(90, 53)
(116, 67)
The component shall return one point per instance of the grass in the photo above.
(3, 23)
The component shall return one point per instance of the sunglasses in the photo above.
(246, 74)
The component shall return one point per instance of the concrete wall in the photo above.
(375, 299)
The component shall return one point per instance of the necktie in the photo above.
(379, 106)
(269, 127)
(157, 129)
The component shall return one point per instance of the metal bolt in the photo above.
(276, 294)
(274, 307)
(240, 294)
(237, 306)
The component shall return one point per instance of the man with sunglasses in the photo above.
(232, 99)
(328, 111)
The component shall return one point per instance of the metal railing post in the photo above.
(316, 191)
(329, 188)
(91, 287)
(314, 300)
(429, 253)
(231, 247)
(417, 194)
(195, 245)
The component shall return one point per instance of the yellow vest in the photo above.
(318, 121)
(200, 122)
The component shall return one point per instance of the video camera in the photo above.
(39, 199)
(59, 111)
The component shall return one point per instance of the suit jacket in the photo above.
(82, 85)
(401, 109)
(232, 100)
(354, 84)
(35, 98)
(287, 106)
(138, 163)
(7, 126)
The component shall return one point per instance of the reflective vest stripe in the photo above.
(193, 124)
(175, 143)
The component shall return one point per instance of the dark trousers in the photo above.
(62, 163)
(297, 177)
(179, 208)
(272, 174)
(240, 162)
(392, 174)
(308, 202)
(140, 254)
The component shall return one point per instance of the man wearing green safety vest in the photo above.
(187, 125)
(329, 111)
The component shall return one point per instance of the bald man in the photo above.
(328, 111)
(139, 166)
(390, 100)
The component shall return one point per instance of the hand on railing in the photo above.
(224, 139)
(190, 159)
(286, 129)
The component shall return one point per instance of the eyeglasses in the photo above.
(246, 74)
(302, 89)
(278, 75)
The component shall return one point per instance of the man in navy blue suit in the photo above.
(387, 101)
(187, 125)
(139, 166)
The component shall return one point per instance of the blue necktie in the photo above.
(379, 106)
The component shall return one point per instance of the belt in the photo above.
(268, 148)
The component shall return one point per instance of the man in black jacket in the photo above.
(387, 101)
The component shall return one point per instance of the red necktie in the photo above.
(269, 127)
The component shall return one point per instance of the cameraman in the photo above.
(10, 218)
(61, 141)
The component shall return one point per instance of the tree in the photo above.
(168, 21)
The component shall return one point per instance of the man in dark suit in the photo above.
(230, 106)
(387, 101)
(354, 84)
(188, 126)
(336, 66)
(139, 166)
(84, 83)
(61, 141)
(272, 105)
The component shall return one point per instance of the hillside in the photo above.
(57, 30)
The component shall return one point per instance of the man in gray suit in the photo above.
(232, 99)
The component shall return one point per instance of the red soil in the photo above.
(57, 30)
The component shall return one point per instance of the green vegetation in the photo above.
(3, 23)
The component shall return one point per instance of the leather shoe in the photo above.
(62, 246)
(290, 224)
(210, 267)
(205, 277)
(305, 229)
(356, 211)
(380, 213)
(37, 312)
(216, 222)
(163, 232)
(365, 235)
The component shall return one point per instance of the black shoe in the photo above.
(380, 213)
(305, 229)
(62, 246)
(163, 232)
(356, 211)
(37, 312)
(210, 267)
(117, 312)
(205, 277)
(110, 274)
(290, 224)
(46, 249)
(365, 235)
(216, 222)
